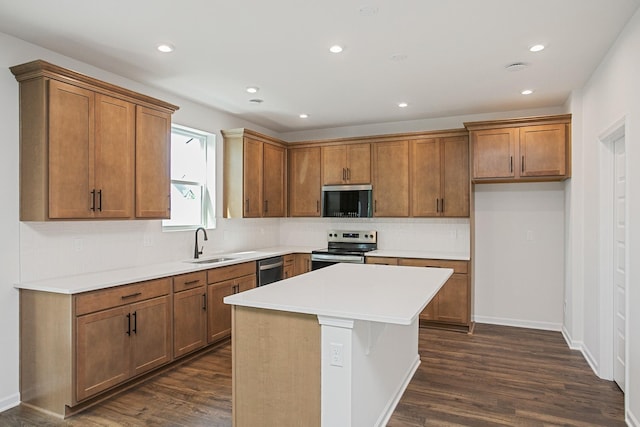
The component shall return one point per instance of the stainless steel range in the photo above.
(344, 246)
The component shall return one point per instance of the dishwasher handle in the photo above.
(270, 266)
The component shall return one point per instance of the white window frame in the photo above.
(208, 206)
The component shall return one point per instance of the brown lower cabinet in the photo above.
(222, 282)
(301, 263)
(451, 307)
(114, 344)
(189, 312)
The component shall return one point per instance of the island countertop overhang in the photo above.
(377, 293)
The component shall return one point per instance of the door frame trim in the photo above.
(606, 255)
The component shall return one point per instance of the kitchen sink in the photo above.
(211, 260)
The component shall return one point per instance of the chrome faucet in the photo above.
(197, 252)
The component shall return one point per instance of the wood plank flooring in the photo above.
(499, 376)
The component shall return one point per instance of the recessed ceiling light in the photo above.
(336, 49)
(253, 89)
(165, 47)
(399, 57)
(536, 48)
(304, 116)
(403, 104)
(256, 101)
(527, 92)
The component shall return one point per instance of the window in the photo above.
(192, 180)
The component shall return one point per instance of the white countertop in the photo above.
(454, 256)
(378, 293)
(106, 279)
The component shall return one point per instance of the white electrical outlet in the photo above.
(337, 358)
(529, 236)
(78, 244)
(147, 240)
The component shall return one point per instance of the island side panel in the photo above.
(276, 368)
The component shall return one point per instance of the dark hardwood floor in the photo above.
(498, 376)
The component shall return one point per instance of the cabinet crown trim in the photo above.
(43, 69)
(522, 121)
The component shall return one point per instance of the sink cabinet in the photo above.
(189, 313)
(88, 149)
(222, 282)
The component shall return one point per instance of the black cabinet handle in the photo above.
(437, 205)
(135, 322)
(131, 295)
(204, 301)
(348, 174)
(129, 324)
(522, 164)
(100, 200)
(375, 206)
(442, 205)
(93, 200)
(317, 205)
(511, 164)
(191, 282)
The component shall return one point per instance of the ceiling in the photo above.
(442, 57)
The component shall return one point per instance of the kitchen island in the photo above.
(333, 347)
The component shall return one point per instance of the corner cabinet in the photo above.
(87, 150)
(527, 149)
(451, 307)
(254, 175)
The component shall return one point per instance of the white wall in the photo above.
(519, 254)
(30, 251)
(612, 94)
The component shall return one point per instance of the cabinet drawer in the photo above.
(382, 260)
(457, 266)
(189, 281)
(225, 273)
(103, 299)
(287, 259)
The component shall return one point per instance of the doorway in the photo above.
(613, 255)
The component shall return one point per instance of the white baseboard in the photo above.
(579, 346)
(391, 405)
(9, 402)
(546, 326)
(631, 420)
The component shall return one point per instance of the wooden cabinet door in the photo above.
(301, 264)
(71, 144)
(153, 168)
(452, 304)
(219, 316)
(429, 312)
(334, 165)
(455, 177)
(304, 182)
(150, 334)
(103, 342)
(391, 179)
(542, 150)
(189, 320)
(245, 283)
(114, 157)
(358, 164)
(273, 181)
(426, 174)
(252, 182)
(494, 153)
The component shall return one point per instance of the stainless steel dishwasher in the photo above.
(269, 270)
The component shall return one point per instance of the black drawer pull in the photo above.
(137, 294)
(129, 324)
(191, 282)
(135, 322)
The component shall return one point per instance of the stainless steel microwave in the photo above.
(347, 201)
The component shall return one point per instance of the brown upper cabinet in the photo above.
(528, 149)
(440, 177)
(254, 175)
(84, 145)
(391, 179)
(304, 181)
(346, 164)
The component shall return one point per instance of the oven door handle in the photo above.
(356, 259)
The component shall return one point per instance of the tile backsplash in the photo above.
(55, 249)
